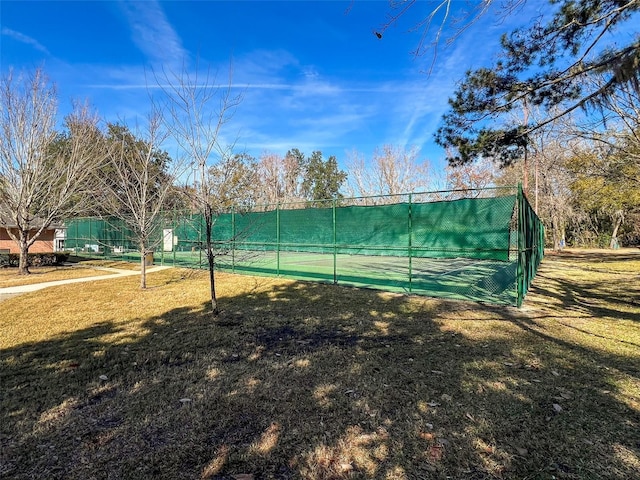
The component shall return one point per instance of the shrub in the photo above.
(33, 259)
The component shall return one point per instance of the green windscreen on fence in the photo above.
(471, 228)
(463, 246)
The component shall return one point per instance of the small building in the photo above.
(44, 244)
(59, 238)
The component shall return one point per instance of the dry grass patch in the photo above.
(96, 262)
(9, 277)
(300, 380)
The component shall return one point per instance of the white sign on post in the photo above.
(167, 239)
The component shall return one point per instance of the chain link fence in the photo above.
(479, 245)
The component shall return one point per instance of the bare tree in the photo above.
(550, 150)
(140, 182)
(280, 178)
(470, 180)
(607, 169)
(197, 110)
(392, 171)
(614, 132)
(42, 174)
(432, 26)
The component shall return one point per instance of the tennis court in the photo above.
(484, 248)
(456, 278)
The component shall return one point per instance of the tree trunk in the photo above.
(614, 235)
(555, 233)
(214, 300)
(143, 265)
(211, 260)
(23, 265)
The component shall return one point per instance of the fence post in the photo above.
(278, 239)
(164, 224)
(174, 244)
(200, 241)
(410, 227)
(335, 246)
(521, 252)
(233, 240)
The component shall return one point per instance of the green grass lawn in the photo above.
(303, 380)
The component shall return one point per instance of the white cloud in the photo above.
(20, 37)
(153, 34)
(288, 104)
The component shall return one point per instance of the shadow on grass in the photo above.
(318, 382)
(579, 257)
(591, 298)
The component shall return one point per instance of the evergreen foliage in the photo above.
(548, 65)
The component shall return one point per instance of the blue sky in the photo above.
(314, 74)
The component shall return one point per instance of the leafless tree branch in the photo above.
(43, 176)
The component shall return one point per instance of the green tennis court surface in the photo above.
(458, 278)
(455, 278)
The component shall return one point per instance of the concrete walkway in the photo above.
(117, 273)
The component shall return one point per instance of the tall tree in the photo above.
(42, 174)
(121, 141)
(391, 171)
(615, 131)
(606, 163)
(280, 178)
(322, 178)
(236, 181)
(470, 180)
(140, 182)
(608, 185)
(198, 109)
(294, 170)
(549, 152)
(270, 184)
(549, 65)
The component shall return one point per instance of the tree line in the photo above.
(559, 111)
(585, 189)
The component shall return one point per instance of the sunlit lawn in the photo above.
(301, 380)
(108, 263)
(9, 277)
